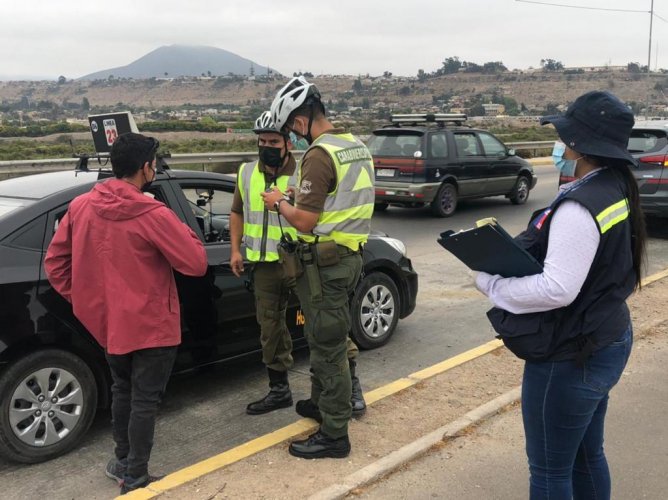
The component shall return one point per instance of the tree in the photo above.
(451, 65)
(493, 67)
(387, 74)
(633, 67)
(551, 65)
(357, 85)
(85, 105)
(61, 80)
(421, 76)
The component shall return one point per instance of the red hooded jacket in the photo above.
(112, 258)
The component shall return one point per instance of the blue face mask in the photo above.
(565, 167)
(298, 142)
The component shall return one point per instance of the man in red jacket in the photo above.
(112, 258)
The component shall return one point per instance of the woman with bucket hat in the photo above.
(571, 323)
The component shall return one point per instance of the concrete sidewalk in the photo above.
(490, 462)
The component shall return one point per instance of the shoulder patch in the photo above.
(305, 188)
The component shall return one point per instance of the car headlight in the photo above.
(398, 245)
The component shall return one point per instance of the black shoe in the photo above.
(131, 484)
(357, 396)
(279, 395)
(307, 409)
(116, 469)
(320, 445)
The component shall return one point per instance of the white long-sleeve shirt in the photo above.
(572, 245)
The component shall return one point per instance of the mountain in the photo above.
(182, 60)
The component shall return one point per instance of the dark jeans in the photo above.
(563, 408)
(139, 380)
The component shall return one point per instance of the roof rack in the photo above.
(439, 118)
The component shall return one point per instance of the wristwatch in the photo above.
(277, 204)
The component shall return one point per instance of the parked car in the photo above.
(648, 144)
(434, 159)
(53, 374)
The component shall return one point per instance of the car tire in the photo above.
(380, 206)
(47, 403)
(445, 201)
(375, 310)
(520, 193)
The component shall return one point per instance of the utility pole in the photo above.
(649, 59)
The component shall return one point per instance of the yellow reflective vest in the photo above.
(346, 216)
(261, 226)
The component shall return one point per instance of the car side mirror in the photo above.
(511, 152)
(204, 193)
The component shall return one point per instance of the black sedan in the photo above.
(53, 374)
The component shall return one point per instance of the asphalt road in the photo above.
(204, 414)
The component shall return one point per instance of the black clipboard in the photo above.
(489, 248)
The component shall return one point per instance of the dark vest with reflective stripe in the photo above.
(598, 315)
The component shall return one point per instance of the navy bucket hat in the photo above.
(596, 124)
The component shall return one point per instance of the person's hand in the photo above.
(290, 192)
(271, 197)
(237, 263)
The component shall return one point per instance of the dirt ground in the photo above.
(391, 423)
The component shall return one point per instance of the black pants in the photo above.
(139, 380)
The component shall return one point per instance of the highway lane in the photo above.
(204, 414)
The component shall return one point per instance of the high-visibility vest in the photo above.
(346, 216)
(262, 231)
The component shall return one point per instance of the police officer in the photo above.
(261, 231)
(333, 206)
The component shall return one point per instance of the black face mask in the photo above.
(148, 183)
(272, 157)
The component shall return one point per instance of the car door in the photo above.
(217, 310)
(502, 169)
(469, 156)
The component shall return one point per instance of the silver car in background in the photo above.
(649, 145)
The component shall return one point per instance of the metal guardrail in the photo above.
(50, 165)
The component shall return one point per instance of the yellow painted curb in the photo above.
(654, 277)
(301, 426)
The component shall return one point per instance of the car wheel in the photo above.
(380, 206)
(47, 403)
(375, 310)
(445, 201)
(520, 193)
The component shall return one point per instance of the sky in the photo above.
(47, 38)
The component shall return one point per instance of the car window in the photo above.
(491, 145)
(467, 144)
(438, 146)
(395, 145)
(211, 207)
(30, 236)
(647, 141)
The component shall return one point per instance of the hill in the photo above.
(532, 93)
(182, 60)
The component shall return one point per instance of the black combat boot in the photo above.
(279, 395)
(357, 397)
(320, 445)
(306, 408)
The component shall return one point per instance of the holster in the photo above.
(312, 272)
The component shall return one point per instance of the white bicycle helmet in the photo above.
(264, 123)
(295, 93)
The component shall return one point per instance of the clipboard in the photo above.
(489, 248)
